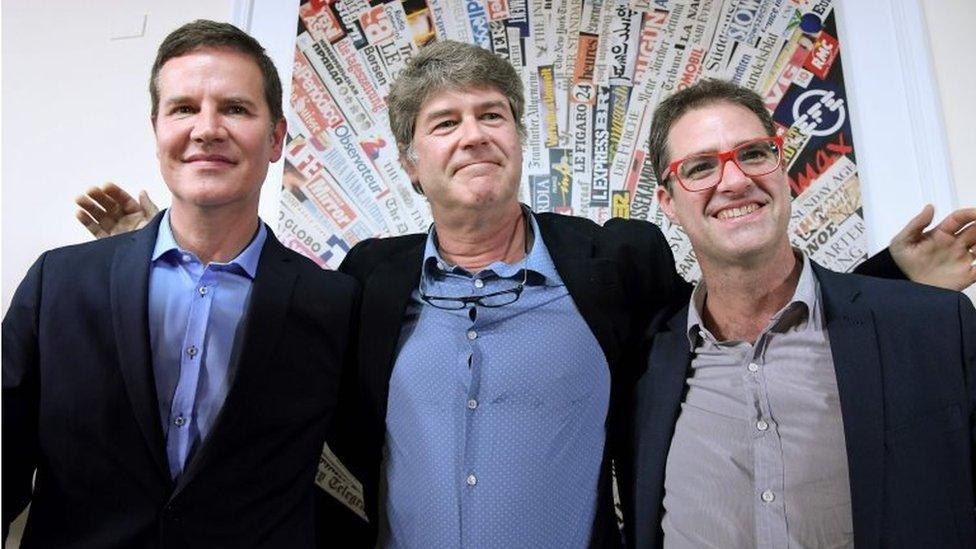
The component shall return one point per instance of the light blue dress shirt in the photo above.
(195, 314)
(496, 416)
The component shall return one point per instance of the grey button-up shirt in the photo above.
(758, 457)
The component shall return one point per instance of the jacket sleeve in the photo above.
(21, 393)
(881, 265)
(337, 523)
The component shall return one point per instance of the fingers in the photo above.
(100, 211)
(90, 223)
(118, 195)
(147, 205)
(968, 278)
(913, 229)
(97, 208)
(967, 236)
(957, 220)
(103, 199)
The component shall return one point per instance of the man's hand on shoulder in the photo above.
(940, 256)
(109, 210)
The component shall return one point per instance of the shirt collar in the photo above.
(537, 261)
(804, 305)
(246, 261)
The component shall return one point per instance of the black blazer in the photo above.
(80, 406)
(905, 356)
(619, 276)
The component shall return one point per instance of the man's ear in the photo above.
(278, 138)
(665, 200)
(410, 167)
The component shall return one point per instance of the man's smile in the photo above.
(734, 212)
(475, 164)
(209, 159)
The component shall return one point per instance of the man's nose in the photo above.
(208, 126)
(472, 133)
(733, 179)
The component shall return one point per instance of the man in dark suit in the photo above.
(488, 345)
(788, 405)
(172, 387)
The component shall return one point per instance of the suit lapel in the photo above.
(270, 299)
(857, 363)
(572, 253)
(129, 295)
(658, 403)
(386, 292)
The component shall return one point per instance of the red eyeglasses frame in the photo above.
(724, 157)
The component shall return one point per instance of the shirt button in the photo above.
(753, 367)
(179, 421)
(471, 480)
(478, 283)
(472, 335)
(191, 351)
(762, 425)
(204, 290)
(472, 404)
(768, 496)
(187, 258)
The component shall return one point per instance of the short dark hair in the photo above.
(211, 34)
(701, 94)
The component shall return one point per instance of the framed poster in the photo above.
(593, 104)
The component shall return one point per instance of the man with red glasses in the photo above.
(788, 405)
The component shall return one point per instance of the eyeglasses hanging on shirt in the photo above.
(491, 300)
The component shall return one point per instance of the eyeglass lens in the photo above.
(499, 299)
(491, 300)
(704, 170)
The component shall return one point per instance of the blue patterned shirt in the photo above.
(195, 314)
(496, 416)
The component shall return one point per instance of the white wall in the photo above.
(951, 40)
(76, 108)
(950, 36)
(902, 61)
(949, 25)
